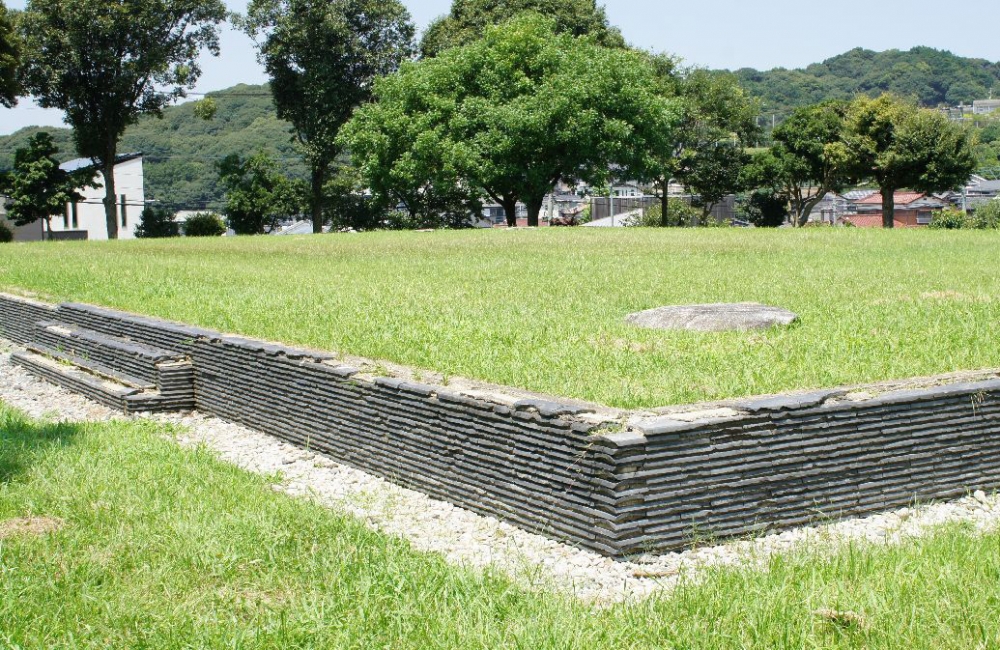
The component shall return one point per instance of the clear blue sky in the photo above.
(711, 33)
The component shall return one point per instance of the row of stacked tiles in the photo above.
(781, 463)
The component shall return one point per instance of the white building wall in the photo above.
(90, 211)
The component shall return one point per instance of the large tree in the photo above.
(513, 114)
(468, 20)
(38, 189)
(404, 155)
(105, 63)
(899, 145)
(10, 56)
(323, 57)
(720, 123)
(707, 150)
(807, 160)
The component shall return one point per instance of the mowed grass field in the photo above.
(543, 310)
(112, 536)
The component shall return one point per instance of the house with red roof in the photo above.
(912, 209)
(870, 221)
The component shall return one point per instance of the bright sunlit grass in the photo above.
(543, 309)
(147, 545)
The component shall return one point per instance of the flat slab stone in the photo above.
(714, 318)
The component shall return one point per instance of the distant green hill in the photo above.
(933, 77)
(181, 149)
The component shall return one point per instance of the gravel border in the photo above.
(472, 540)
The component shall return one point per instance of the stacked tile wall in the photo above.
(656, 485)
(786, 462)
(532, 463)
(19, 315)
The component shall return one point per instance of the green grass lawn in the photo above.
(543, 309)
(161, 547)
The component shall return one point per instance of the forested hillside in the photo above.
(934, 77)
(181, 149)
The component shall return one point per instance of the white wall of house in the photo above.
(88, 214)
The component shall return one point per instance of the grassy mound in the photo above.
(544, 310)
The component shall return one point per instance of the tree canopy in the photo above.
(468, 19)
(10, 58)
(322, 57)
(258, 196)
(706, 152)
(105, 64)
(899, 145)
(38, 189)
(511, 115)
(807, 160)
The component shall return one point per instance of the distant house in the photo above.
(854, 196)
(979, 191)
(911, 209)
(85, 219)
(566, 203)
(494, 213)
(829, 210)
(985, 106)
(628, 190)
(870, 221)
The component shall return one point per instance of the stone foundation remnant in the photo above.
(615, 482)
(714, 318)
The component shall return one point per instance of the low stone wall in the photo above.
(651, 483)
(781, 463)
(19, 315)
(532, 462)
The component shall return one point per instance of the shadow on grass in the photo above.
(23, 441)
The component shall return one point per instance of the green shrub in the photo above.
(765, 209)
(155, 222)
(679, 214)
(991, 133)
(950, 219)
(204, 224)
(6, 234)
(987, 216)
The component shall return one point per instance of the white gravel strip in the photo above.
(472, 540)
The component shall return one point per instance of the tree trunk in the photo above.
(534, 209)
(806, 207)
(800, 214)
(110, 200)
(706, 212)
(316, 196)
(888, 207)
(509, 206)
